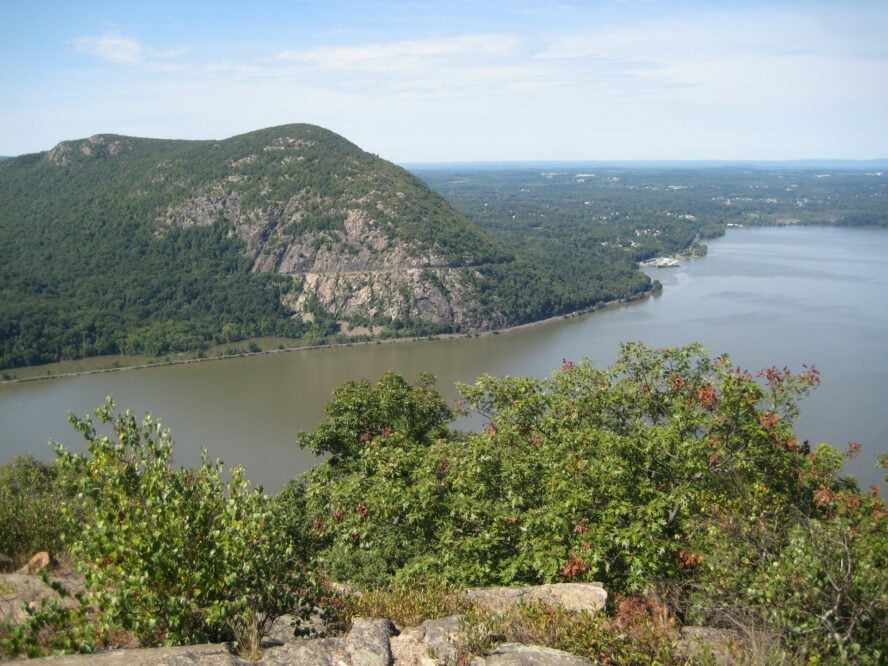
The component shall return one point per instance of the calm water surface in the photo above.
(777, 296)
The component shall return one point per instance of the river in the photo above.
(783, 296)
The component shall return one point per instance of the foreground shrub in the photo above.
(639, 631)
(592, 474)
(669, 470)
(407, 605)
(30, 495)
(174, 555)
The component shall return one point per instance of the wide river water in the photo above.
(777, 296)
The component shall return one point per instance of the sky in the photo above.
(455, 80)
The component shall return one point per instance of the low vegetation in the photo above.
(169, 555)
(672, 477)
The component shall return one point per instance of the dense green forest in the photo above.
(94, 265)
(654, 209)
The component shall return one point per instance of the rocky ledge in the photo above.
(369, 642)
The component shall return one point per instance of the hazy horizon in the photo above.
(808, 163)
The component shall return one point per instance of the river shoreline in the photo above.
(377, 341)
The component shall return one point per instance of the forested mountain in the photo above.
(124, 245)
(117, 244)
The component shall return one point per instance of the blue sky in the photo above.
(437, 81)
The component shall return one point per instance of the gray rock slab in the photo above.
(316, 652)
(19, 590)
(205, 655)
(367, 643)
(571, 596)
(517, 654)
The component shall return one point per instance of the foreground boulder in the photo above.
(516, 654)
(19, 591)
(204, 655)
(369, 643)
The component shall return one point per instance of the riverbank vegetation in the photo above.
(672, 477)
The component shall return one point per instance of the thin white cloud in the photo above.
(125, 50)
(749, 58)
(111, 46)
(407, 54)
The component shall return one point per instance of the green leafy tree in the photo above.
(361, 411)
(175, 555)
(668, 472)
(590, 474)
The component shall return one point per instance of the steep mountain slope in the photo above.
(118, 244)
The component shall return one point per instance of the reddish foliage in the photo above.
(687, 559)
(824, 497)
(775, 376)
(573, 567)
(707, 396)
(677, 382)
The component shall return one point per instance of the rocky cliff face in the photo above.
(343, 243)
(129, 245)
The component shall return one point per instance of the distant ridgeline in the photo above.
(643, 206)
(123, 245)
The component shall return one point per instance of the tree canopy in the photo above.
(670, 469)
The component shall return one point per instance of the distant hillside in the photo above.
(117, 244)
(124, 245)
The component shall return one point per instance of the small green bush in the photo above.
(175, 555)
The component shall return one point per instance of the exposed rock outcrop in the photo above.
(354, 269)
(369, 642)
(345, 247)
(570, 596)
(38, 563)
(517, 654)
(186, 655)
(19, 591)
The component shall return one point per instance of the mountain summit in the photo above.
(119, 244)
